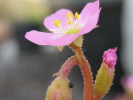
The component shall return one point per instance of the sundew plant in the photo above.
(67, 29)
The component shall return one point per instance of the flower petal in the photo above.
(110, 57)
(54, 39)
(89, 10)
(89, 17)
(37, 37)
(59, 15)
(90, 24)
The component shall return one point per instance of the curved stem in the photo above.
(67, 66)
(87, 76)
(86, 71)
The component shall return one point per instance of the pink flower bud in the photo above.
(105, 74)
(110, 57)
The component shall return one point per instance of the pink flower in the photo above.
(110, 57)
(127, 83)
(66, 26)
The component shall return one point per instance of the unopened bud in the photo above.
(105, 74)
(59, 89)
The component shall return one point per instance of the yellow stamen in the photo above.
(76, 15)
(69, 21)
(57, 23)
(69, 18)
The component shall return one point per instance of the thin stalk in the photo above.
(86, 72)
(67, 66)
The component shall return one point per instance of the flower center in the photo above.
(72, 31)
(72, 22)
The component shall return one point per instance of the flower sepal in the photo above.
(103, 81)
(60, 48)
(79, 41)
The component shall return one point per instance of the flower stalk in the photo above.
(67, 66)
(86, 72)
